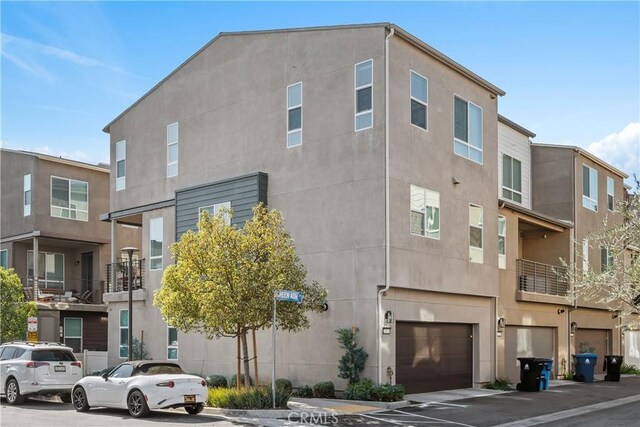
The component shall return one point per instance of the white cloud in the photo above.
(621, 149)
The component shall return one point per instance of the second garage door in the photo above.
(526, 341)
(434, 356)
(593, 341)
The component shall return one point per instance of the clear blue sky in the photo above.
(571, 70)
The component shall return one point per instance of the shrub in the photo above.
(629, 369)
(324, 390)
(254, 398)
(360, 390)
(284, 385)
(387, 392)
(352, 362)
(304, 391)
(214, 380)
(232, 380)
(499, 384)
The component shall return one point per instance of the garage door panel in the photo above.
(526, 341)
(593, 341)
(434, 356)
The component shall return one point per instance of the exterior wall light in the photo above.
(574, 328)
(501, 325)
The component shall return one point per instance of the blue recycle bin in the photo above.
(545, 374)
(585, 365)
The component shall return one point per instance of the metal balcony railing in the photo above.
(541, 278)
(118, 275)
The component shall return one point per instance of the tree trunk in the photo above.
(245, 358)
(255, 356)
(238, 371)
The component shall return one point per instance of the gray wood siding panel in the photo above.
(243, 192)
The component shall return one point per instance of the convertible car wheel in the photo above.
(137, 405)
(193, 410)
(79, 399)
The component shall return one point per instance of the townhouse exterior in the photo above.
(52, 237)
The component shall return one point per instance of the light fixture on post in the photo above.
(560, 310)
(130, 251)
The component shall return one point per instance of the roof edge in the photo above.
(515, 126)
(54, 159)
(558, 222)
(587, 154)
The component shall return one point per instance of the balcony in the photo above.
(73, 291)
(118, 276)
(544, 279)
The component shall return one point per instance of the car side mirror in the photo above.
(105, 376)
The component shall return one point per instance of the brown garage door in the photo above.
(593, 341)
(434, 356)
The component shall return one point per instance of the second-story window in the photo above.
(26, 196)
(172, 150)
(294, 115)
(364, 95)
(419, 100)
(585, 255)
(155, 243)
(172, 343)
(425, 212)
(4, 258)
(475, 234)
(502, 242)
(121, 165)
(511, 179)
(610, 197)
(606, 259)
(467, 130)
(69, 199)
(215, 209)
(589, 188)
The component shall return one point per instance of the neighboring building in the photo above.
(381, 153)
(50, 230)
(573, 185)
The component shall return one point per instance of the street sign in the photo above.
(32, 336)
(285, 295)
(32, 324)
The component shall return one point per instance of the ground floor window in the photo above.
(124, 334)
(172, 343)
(73, 334)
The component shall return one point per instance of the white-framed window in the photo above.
(172, 343)
(425, 212)
(69, 199)
(610, 194)
(50, 269)
(590, 188)
(294, 115)
(475, 234)
(73, 333)
(364, 94)
(121, 165)
(502, 242)
(172, 150)
(215, 209)
(124, 334)
(585, 255)
(606, 259)
(511, 179)
(155, 243)
(26, 196)
(419, 100)
(4, 258)
(467, 141)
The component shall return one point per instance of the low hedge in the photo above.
(366, 390)
(284, 385)
(324, 390)
(232, 380)
(304, 391)
(215, 380)
(253, 398)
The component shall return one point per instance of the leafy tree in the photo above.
(13, 308)
(618, 285)
(224, 278)
(352, 362)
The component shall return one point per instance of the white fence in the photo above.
(93, 361)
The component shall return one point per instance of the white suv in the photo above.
(37, 368)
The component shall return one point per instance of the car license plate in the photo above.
(190, 398)
(60, 368)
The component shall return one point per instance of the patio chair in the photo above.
(68, 295)
(86, 297)
(45, 297)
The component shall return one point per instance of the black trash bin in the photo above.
(612, 365)
(530, 371)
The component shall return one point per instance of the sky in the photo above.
(571, 70)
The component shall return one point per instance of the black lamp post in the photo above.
(130, 251)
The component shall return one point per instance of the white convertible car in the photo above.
(140, 386)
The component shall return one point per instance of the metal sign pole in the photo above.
(273, 346)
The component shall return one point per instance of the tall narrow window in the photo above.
(26, 188)
(610, 199)
(425, 212)
(294, 115)
(467, 130)
(585, 255)
(589, 188)
(172, 343)
(124, 334)
(73, 333)
(121, 165)
(606, 259)
(475, 234)
(172, 150)
(502, 242)
(4, 258)
(215, 209)
(419, 100)
(50, 269)
(511, 179)
(364, 95)
(155, 244)
(69, 199)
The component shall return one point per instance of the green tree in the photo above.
(352, 362)
(224, 278)
(13, 308)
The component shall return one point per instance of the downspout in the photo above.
(572, 262)
(387, 255)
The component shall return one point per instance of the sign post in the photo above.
(32, 329)
(279, 295)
